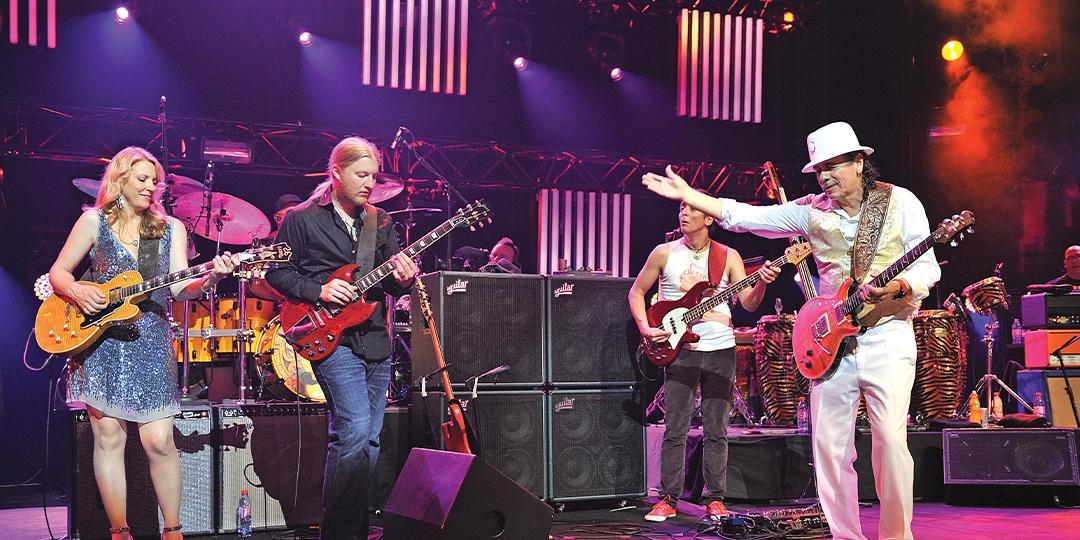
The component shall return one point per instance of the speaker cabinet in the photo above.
(1052, 385)
(191, 432)
(509, 426)
(446, 495)
(596, 444)
(484, 321)
(277, 453)
(591, 335)
(1011, 456)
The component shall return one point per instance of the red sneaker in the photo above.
(660, 511)
(716, 509)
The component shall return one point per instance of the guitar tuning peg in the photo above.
(970, 230)
(953, 243)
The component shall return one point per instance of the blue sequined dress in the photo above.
(131, 372)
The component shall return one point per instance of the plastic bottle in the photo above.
(996, 408)
(974, 409)
(802, 415)
(243, 515)
(1039, 405)
(1017, 332)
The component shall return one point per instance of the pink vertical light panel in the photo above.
(404, 47)
(31, 34)
(13, 21)
(721, 57)
(50, 21)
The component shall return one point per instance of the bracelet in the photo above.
(904, 290)
(204, 288)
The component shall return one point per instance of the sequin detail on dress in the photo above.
(130, 373)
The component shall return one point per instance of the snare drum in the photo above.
(781, 383)
(282, 371)
(940, 365)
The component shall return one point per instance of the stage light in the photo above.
(122, 15)
(513, 40)
(520, 63)
(788, 21)
(608, 51)
(615, 73)
(306, 38)
(952, 50)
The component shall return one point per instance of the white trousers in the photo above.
(882, 369)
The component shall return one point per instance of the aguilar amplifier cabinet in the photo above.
(86, 515)
(484, 321)
(591, 335)
(277, 453)
(1043, 310)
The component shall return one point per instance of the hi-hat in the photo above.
(182, 185)
(387, 186)
(411, 211)
(240, 221)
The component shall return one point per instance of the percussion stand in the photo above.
(989, 379)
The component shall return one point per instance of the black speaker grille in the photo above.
(510, 426)
(484, 321)
(592, 335)
(597, 444)
(1026, 456)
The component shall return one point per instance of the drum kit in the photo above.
(247, 324)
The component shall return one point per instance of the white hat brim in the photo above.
(809, 167)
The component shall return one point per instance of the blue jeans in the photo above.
(356, 393)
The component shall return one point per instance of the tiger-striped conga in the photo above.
(940, 365)
(781, 383)
(745, 376)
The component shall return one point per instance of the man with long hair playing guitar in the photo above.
(857, 228)
(710, 362)
(336, 226)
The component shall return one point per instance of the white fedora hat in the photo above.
(835, 139)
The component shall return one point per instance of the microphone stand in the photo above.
(448, 189)
(1065, 376)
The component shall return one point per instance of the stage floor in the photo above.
(933, 521)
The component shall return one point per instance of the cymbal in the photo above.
(240, 221)
(387, 186)
(416, 211)
(182, 185)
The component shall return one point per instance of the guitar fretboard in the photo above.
(371, 278)
(853, 304)
(158, 282)
(695, 313)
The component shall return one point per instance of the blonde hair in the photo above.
(345, 153)
(117, 173)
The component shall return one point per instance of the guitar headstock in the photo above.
(954, 227)
(279, 252)
(474, 215)
(795, 253)
(773, 184)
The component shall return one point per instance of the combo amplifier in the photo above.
(1043, 310)
(484, 321)
(191, 431)
(1039, 346)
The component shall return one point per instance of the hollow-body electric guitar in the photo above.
(677, 316)
(823, 324)
(62, 328)
(314, 330)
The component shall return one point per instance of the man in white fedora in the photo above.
(879, 365)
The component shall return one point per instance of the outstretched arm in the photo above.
(672, 186)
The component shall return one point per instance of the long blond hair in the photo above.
(117, 173)
(345, 153)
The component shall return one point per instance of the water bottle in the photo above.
(243, 515)
(1039, 405)
(802, 415)
(1017, 332)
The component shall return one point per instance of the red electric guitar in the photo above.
(823, 324)
(314, 330)
(677, 316)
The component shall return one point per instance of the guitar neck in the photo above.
(158, 282)
(373, 277)
(697, 312)
(853, 304)
(429, 318)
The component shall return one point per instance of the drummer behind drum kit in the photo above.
(238, 326)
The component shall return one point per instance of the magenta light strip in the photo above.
(682, 27)
(554, 227)
(50, 22)
(759, 32)
(410, 26)
(604, 231)
(423, 44)
(727, 68)
(367, 43)
(464, 43)
(451, 33)
(543, 232)
(626, 236)
(616, 211)
(567, 213)
(706, 19)
(750, 65)
(13, 21)
(437, 46)
(694, 29)
(579, 251)
(380, 55)
(395, 41)
(33, 20)
(592, 230)
(716, 53)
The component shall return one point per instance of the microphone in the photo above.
(398, 138)
(161, 105)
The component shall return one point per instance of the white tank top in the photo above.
(683, 270)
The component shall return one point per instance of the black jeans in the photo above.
(714, 371)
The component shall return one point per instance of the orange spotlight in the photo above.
(788, 21)
(952, 50)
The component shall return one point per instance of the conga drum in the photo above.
(745, 374)
(986, 295)
(780, 382)
(940, 365)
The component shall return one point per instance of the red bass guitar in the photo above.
(677, 316)
(823, 323)
(314, 330)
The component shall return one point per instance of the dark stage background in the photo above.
(872, 64)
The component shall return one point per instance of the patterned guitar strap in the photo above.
(868, 235)
(149, 248)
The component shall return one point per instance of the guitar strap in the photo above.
(717, 262)
(365, 241)
(868, 235)
(148, 257)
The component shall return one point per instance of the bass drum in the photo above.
(283, 373)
